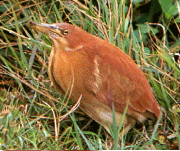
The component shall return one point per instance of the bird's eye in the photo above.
(65, 32)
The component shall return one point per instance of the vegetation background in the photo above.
(31, 111)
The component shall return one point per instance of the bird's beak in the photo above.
(50, 29)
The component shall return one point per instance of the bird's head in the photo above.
(63, 35)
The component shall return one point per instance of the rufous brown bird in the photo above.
(104, 75)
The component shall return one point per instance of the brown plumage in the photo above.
(102, 73)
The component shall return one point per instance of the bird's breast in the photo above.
(60, 71)
(74, 70)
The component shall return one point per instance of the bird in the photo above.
(105, 76)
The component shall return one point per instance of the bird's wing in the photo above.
(118, 79)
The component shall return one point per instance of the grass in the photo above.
(31, 111)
